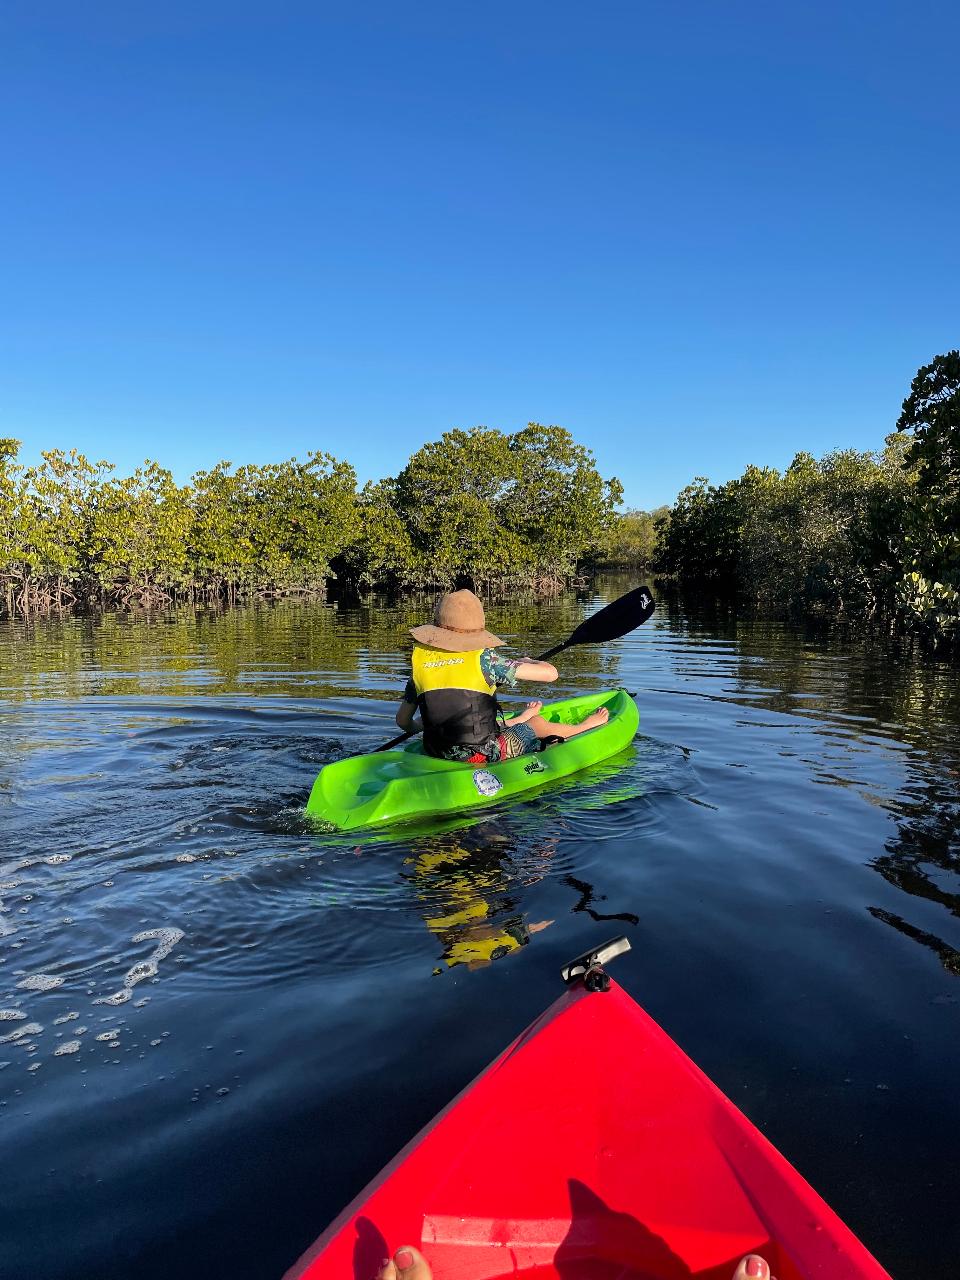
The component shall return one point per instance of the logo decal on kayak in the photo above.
(487, 783)
(535, 766)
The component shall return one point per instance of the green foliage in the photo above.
(492, 507)
(700, 542)
(929, 593)
(276, 526)
(560, 507)
(452, 495)
(46, 526)
(501, 509)
(854, 534)
(138, 534)
(932, 413)
(10, 507)
(631, 540)
(381, 553)
(821, 534)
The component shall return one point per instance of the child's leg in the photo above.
(530, 710)
(549, 729)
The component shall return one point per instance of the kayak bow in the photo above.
(397, 786)
(591, 1149)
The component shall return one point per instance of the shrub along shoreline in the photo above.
(871, 537)
(519, 511)
(860, 536)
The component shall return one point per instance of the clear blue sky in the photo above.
(697, 234)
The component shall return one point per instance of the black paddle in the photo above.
(614, 620)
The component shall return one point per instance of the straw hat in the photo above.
(458, 625)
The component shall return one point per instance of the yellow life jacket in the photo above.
(458, 705)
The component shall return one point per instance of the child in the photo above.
(456, 672)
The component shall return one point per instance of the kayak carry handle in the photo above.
(589, 966)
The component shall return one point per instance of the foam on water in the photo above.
(69, 1046)
(11, 1015)
(40, 982)
(166, 940)
(19, 1034)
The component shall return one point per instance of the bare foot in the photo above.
(753, 1267)
(530, 710)
(406, 1264)
(596, 718)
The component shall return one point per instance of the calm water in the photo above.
(249, 1018)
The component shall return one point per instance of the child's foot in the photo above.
(530, 710)
(406, 1264)
(595, 718)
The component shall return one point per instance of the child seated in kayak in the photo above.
(456, 673)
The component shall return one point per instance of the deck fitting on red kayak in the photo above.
(588, 967)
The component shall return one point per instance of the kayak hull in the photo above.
(591, 1149)
(399, 786)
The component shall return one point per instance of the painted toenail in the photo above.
(404, 1259)
(756, 1266)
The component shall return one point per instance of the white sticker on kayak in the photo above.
(487, 783)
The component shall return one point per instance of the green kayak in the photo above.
(397, 786)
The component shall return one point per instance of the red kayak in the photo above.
(591, 1149)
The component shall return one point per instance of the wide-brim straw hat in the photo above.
(458, 625)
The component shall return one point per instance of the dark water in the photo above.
(250, 1018)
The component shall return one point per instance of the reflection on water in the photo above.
(266, 1013)
(467, 896)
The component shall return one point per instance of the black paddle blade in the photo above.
(612, 621)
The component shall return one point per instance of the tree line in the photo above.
(504, 510)
(873, 536)
(854, 535)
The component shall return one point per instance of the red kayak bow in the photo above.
(591, 1149)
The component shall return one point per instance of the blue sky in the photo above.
(698, 235)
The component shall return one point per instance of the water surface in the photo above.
(218, 1023)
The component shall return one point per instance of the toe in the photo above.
(411, 1264)
(752, 1267)
(387, 1270)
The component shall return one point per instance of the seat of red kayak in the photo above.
(592, 1149)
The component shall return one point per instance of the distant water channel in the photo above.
(217, 1024)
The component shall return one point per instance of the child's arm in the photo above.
(408, 709)
(530, 669)
(406, 713)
